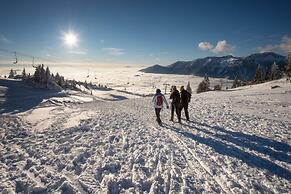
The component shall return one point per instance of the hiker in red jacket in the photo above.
(158, 100)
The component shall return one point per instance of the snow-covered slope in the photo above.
(237, 141)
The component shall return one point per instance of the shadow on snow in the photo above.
(252, 142)
(20, 97)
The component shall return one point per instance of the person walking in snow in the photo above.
(189, 90)
(184, 102)
(158, 100)
(175, 96)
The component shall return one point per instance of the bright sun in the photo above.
(70, 39)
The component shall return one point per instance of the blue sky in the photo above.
(143, 32)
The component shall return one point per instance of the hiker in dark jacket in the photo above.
(184, 102)
(175, 104)
(159, 100)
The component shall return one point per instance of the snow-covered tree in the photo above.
(258, 78)
(274, 73)
(60, 80)
(204, 85)
(47, 76)
(36, 76)
(11, 74)
(24, 76)
(188, 88)
(42, 74)
(206, 79)
(288, 67)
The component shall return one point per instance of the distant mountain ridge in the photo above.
(231, 67)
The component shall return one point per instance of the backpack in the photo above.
(159, 100)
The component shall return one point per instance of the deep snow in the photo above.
(237, 141)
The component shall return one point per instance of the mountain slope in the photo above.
(225, 67)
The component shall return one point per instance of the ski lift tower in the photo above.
(166, 85)
(16, 61)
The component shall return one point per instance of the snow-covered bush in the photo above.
(217, 87)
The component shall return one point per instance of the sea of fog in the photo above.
(122, 78)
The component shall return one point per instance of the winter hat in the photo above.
(158, 91)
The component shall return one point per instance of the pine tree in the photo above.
(11, 74)
(288, 67)
(268, 74)
(258, 78)
(47, 76)
(24, 74)
(274, 74)
(188, 88)
(36, 76)
(61, 80)
(204, 85)
(206, 79)
(42, 74)
(57, 77)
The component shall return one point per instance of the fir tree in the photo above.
(258, 78)
(188, 88)
(274, 74)
(288, 67)
(24, 76)
(203, 86)
(268, 74)
(58, 80)
(47, 76)
(206, 79)
(11, 74)
(42, 74)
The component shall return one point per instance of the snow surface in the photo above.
(237, 141)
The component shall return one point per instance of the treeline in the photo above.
(43, 78)
(261, 76)
(265, 75)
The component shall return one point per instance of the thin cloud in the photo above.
(114, 51)
(284, 46)
(221, 46)
(5, 40)
(78, 52)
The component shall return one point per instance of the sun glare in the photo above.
(70, 39)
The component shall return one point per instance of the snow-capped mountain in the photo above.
(227, 66)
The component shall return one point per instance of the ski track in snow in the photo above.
(232, 144)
